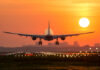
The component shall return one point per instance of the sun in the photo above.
(84, 22)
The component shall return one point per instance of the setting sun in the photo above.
(65, 16)
(84, 22)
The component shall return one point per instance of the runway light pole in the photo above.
(90, 50)
(97, 50)
(80, 51)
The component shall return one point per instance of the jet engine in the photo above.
(33, 38)
(62, 38)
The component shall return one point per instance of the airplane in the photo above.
(48, 36)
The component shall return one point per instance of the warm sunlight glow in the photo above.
(46, 32)
(84, 22)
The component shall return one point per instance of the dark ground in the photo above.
(49, 63)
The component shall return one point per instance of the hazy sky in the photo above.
(31, 16)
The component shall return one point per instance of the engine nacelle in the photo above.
(63, 38)
(33, 38)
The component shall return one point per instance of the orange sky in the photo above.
(31, 16)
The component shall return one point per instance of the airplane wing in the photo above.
(70, 35)
(42, 36)
(26, 35)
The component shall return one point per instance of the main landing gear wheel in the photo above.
(40, 42)
(57, 43)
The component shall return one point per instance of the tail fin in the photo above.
(48, 28)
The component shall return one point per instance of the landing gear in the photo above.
(57, 43)
(40, 42)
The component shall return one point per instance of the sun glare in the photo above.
(84, 22)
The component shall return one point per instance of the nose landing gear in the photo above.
(40, 42)
(57, 43)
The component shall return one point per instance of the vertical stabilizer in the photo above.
(48, 28)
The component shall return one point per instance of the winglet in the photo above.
(8, 32)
